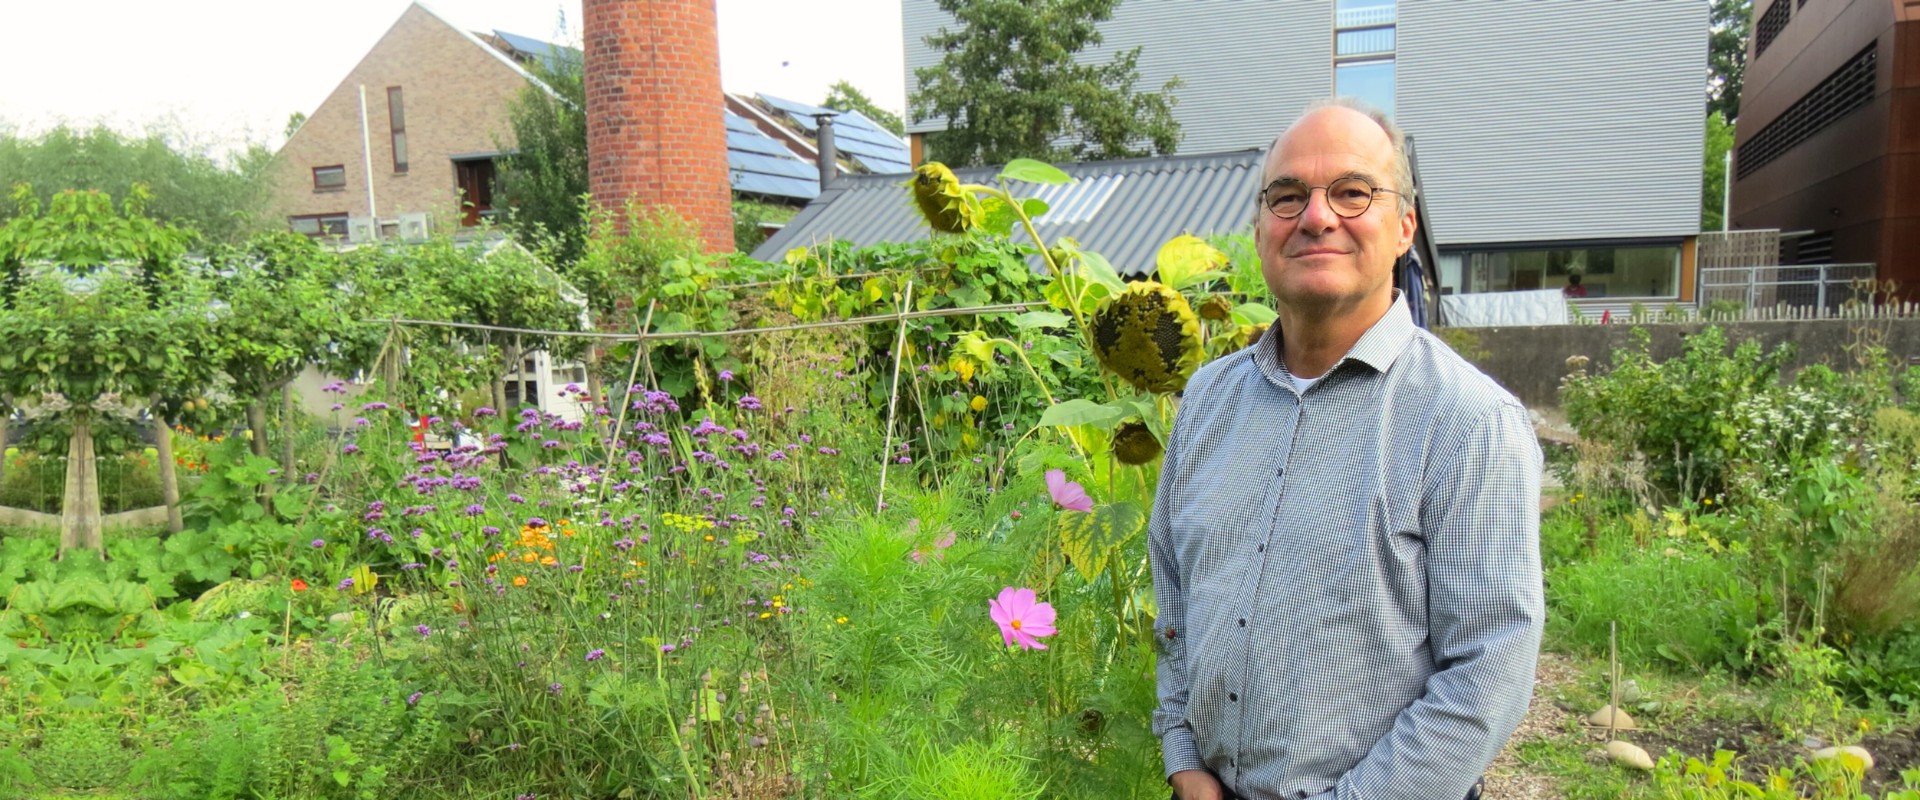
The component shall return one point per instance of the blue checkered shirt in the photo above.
(1349, 580)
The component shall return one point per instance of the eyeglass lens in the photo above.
(1349, 197)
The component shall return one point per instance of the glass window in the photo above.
(397, 121)
(1371, 81)
(1365, 41)
(1359, 13)
(1603, 271)
(319, 224)
(329, 178)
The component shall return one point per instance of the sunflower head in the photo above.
(1149, 337)
(938, 194)
(1134, 444)
(1215, 308)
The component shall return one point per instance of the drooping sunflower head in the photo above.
(936, 190)
(1215, 308)
(1149, 337)
(1134, 444)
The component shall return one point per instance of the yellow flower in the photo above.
(841, 620)
(788, 587)
(709, 537)
(766, 615)
(1709, 501)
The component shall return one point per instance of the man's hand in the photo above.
(1196, 784)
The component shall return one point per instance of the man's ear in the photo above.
(1409, 222)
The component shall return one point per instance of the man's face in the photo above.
(1319, 258)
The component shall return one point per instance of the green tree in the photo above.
(1713, 182)
(844, 97)
(545, 179)
(294, 121)
(1010, 87)
(1731, 23)
(220, 197)
(96, 320)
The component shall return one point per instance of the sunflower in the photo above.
(937, 192)
(1149, 337)
(1134, 444)
(1215, 308)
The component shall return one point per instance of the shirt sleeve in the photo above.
(1177, 747)
(1480, 517)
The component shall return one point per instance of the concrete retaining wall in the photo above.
(1530, 361)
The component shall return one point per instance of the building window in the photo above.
(475, 179)
(1770, 25)
(397, 120)
(1363, 48)
(318, 225)
(329, 179)
(1604, 271)
(1845, 91)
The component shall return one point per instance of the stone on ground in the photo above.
(1621, 720)
(1629, 755)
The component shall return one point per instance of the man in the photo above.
(1573, 288)
(1345, 543)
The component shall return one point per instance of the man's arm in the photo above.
(1485, 610)
(1170, 626)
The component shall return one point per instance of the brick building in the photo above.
(436, 99)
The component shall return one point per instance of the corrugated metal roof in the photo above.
(1124, 210)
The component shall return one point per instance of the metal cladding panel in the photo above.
(1150, 201)
(1555, 121)
(1249, 67)
(760, 183)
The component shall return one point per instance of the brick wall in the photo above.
(455, 93)
(655, 129)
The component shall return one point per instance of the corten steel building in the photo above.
(1828, 139)
(1553, 137)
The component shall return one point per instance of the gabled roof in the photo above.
(1124, 210)
(873, 148)
(530, 48)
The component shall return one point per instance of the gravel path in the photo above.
(1508, 779)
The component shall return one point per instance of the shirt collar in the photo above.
(1377, 348)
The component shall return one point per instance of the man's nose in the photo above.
(1319, 217)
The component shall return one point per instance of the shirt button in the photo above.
(1233, 697)
(1261, 549)
(1243, 623)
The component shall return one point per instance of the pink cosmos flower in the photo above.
(1021, 619)
(1067, 494)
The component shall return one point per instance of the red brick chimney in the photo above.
(655, 126)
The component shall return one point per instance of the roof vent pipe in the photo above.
(828, 159)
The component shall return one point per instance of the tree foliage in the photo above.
(220, 197)
(546, 177)
(1010, 86)
(1713, 183)
(843, 96)
(1732, 24)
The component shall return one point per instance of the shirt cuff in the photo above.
(1178, 749)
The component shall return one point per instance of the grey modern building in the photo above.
(1554, 136)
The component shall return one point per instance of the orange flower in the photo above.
(549, 561)
(530, 557)
(299, 585)
(520, 580)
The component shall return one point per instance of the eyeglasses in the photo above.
(1348, 197)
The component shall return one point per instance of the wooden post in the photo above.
(80, 508)
(893, 398)
(169, 478)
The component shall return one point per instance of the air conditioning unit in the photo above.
(413, 227)
(362, 229)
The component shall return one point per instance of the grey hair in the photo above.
(1399, 169)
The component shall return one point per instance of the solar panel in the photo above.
(755, 143)
(735, 122)
(755, 162)
(774, 185)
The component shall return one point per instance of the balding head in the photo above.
(1399, 171)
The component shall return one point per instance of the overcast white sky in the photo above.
(224, 72)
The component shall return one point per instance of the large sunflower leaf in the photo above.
(1186, 260)
(1090, 537)
(1081, 411)
(1031, 171)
